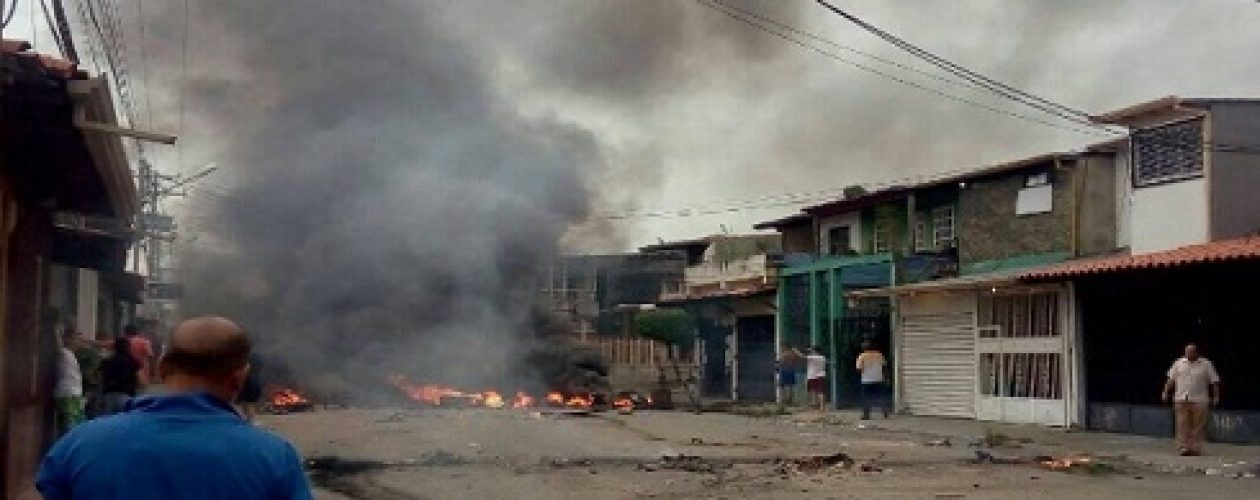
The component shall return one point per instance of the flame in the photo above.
(623, 404)
(492, 399)
(431, 394)
(287, 397)
(522, 400)
(555, 399)
(579, 402)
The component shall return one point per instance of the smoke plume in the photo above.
(390, 201)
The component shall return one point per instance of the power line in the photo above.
(767, 28)
(183, 87)
(9, 16)
(999, 88)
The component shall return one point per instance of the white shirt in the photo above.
(871, 363)
(815, 366)
(1191, 380)
(69, 377)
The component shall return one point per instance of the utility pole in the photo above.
(158, 228)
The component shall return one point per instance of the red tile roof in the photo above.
(54, 65)
(1241, 249)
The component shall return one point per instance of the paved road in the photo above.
(440, 454)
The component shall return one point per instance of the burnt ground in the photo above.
(477, 453)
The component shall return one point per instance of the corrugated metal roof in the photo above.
(63, 68)
(1242, 249)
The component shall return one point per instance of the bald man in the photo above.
(186, 443)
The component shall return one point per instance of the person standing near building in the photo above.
(816, 377)
(186, 443)
(141, 351)
(68, 393)
(788, 364)
(873, 368)
(1193, 385)
(119, 378)
(88, 356)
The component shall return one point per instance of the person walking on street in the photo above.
(1192, 386)
(816, 377)
(187, 443)
(788, 362)
(141, 351)
(68, 393)
(873, 368)
(251, 394)
(120, 379)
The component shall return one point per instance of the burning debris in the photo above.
(285, 400)
(446, 396)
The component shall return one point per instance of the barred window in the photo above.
(1168, 153)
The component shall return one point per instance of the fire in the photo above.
(555, 399)
(623, 404)
(431, 394)
(579, 402)
(522, 400)
(492, 399)
(287, 397)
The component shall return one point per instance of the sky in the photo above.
(692, 109)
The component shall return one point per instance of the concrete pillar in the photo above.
(85, 317)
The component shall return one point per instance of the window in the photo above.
(1035, 200)
(1020, 316)
(839, 241)
(881, 238)
(943, 227)
(1037, 179)
(922, 241)
(1168, 153)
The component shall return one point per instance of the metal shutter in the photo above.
(939, 364)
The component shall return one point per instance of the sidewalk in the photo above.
(1027, 440)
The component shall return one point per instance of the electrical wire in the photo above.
(994, 86)
(9, 16)
(769, 29)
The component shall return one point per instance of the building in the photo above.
(67, 202)
(729, 287)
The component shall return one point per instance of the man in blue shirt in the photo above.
(187, 443)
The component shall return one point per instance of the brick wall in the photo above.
(988, 229)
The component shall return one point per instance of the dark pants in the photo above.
(875, 392)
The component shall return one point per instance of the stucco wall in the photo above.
(1168, 216)
(1234, 176)
(988, 229)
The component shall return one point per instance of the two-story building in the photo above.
(67, 201)
(1188, 215)
(729, 287)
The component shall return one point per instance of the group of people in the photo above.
(871, 365)
(184, 440)
(95, 379)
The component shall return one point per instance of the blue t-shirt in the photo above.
(174, 446)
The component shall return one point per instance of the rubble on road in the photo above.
(692, 463)
(816, 463)
(944, 442)
(1080, 463)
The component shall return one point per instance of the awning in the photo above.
(1236, 250)
(1002, 278)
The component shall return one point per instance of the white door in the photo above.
(1021, 366)
(938, 363)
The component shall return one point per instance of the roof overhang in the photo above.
(1235, 250)
(794, 220)
(94, 104)
(997, 279)
(1151, 113)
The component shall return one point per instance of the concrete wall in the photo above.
(1168, 216)
(1234, 177)
(988, 229)
(799, 239)
(1096, 228)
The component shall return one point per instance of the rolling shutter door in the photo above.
(939, 364)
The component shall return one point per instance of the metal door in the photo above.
(755, 358)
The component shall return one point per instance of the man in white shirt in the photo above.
(872, 366)
(816, 377)
(1192, 386)
(68, 393)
